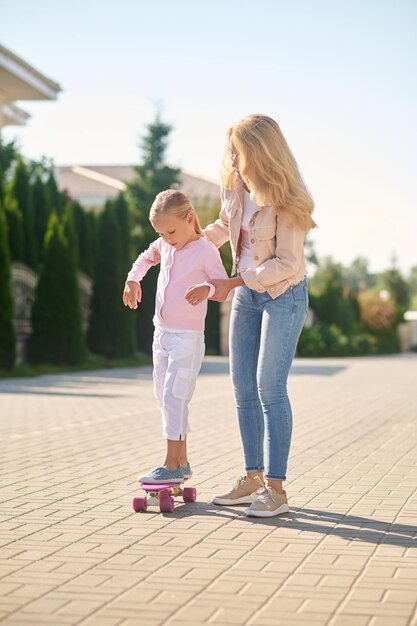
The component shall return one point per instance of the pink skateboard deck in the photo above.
(158, 486)
(163, 494)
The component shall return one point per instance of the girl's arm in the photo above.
(132, 293)
(149, 258)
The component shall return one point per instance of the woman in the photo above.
(266, 211)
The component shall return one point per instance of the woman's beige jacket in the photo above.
(277, 247)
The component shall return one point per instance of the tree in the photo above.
(396, 285)
(412, 283)
(333, 301)
(14, 227)
(70, 233)
(107, 328)
(121, 209)
(20, 190)
(85, 225)
(310, 250)
(57, 336)
(57, 199)
(41, 212)
(8, 155)
(152, 177)
(7, 332)
(357, 276)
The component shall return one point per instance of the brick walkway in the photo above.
(74, 552)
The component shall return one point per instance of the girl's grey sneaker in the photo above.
(161, 475)
(242, 492)
(187, 471)
(267, 503)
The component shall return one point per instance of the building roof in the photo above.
(21, 81)
(92, 185)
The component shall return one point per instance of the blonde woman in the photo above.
(266, 211)
(186, 257)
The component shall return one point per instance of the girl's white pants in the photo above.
(177, 358)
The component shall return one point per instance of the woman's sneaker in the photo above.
(161, 475)
(267, 503)
(242, 492)
(187, 471)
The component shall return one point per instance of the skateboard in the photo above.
(163, 495)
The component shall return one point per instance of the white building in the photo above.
(92, 185)
(21, 81)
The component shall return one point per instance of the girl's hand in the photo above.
(132, 294)
(196, 294)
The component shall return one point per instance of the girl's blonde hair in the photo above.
(268, 168)
(173, 202)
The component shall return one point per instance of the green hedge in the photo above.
(328, 340)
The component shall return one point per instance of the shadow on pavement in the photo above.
(348, 527)
(69, 384)
(45, 384)
(316, 370)
(47, 392)
(221, 367)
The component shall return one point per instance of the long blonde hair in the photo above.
(268, 168)
(173, 202)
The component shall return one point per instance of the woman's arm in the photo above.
(218, 231)
(214, 269)
(224, 286)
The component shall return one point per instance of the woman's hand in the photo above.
(132, 294)
(224, 286)
(196, 294)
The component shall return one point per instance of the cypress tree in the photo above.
(14, 227)
(7, 157)
(123, 219)
(152, 177)
(20, 190)
(90, 242)
(7, 332)
(57, 336)
(57, 200)
(41, 212)
(85, 227)
(70, 233)
(107, 320)
(128, 336)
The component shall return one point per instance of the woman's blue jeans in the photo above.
(263, 338)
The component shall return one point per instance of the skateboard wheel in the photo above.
(189, 494)
(166, 504)
(139, 504)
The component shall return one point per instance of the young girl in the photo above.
(187, 259)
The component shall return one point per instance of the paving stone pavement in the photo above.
(74, 552)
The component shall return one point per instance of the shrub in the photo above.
(110, 331)
(7, 333)
(323, 340)
(57, 336)
(377, 314)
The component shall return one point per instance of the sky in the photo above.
(339, 77)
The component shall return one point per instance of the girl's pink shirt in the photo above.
(196, 262)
